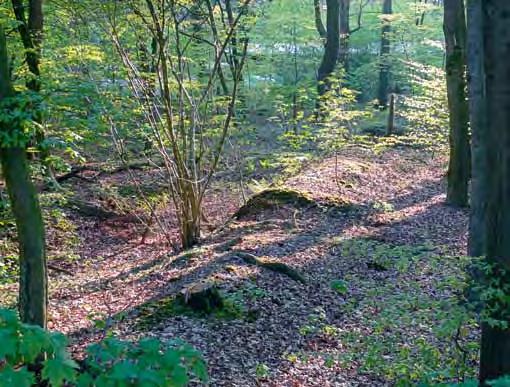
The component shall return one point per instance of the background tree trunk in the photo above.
(33, 286)
(31, 36)
(421, 18)
(459, 166)
(345, 31)
(390, 126)
(318, 19)
(493, 25)
(331, 48)
(384, 73)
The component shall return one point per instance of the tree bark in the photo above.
(345, 32)
(318, 19)
(479, 138)
(31, 37)
(31, 34)
(331, 48)
(390, 127)
(33, 287)
(459, 165)
(493, 27)
(384, 72)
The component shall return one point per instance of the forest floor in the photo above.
(383, 268)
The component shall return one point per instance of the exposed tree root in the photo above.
(99, 169)
(271, 264)
(59, 269)
(90, 209)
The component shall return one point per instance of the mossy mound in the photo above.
(275, 197)
(271, 198)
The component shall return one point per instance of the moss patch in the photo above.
(271, 198)
(155, 312)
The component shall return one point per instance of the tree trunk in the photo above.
(459, 166)
(494, 350)
(345, 31)
(420, 19)
(384, 73)
(31, 37)
(479, 138)
(493, 26)
(318, 19)
(31, 34)
(33, 286)
(331, 48)
(390, 127)
(33, 297)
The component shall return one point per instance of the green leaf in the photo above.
(19, 378)
(124, 370)
(57, 371)
(84, 380)
(9, 318)
(9, 347)
(504, 381)
(179, 376)
(59, 344)
(200, 370)
(149, 378)
(32, 343)
(339, 286)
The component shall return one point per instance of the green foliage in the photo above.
(262, 371)
(112, 362)
(504, 381)
(17, 123)
(23, 345)
(148, 362)
(493, 292)
(441, 347)
(234, 307)
(340, 287)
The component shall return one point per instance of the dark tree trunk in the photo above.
(31, 33)
(494, 351)
(345, 32)
(459, 166)
(331, 48)
(384, 73)
(233, 42)
(421, 18)
(31, 36)
(318, 19)
(390, 127)
(33, 297)
(492, 24)
(479, 138)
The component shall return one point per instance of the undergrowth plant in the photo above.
(30, 355)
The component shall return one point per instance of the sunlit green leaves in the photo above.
(112, 362)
